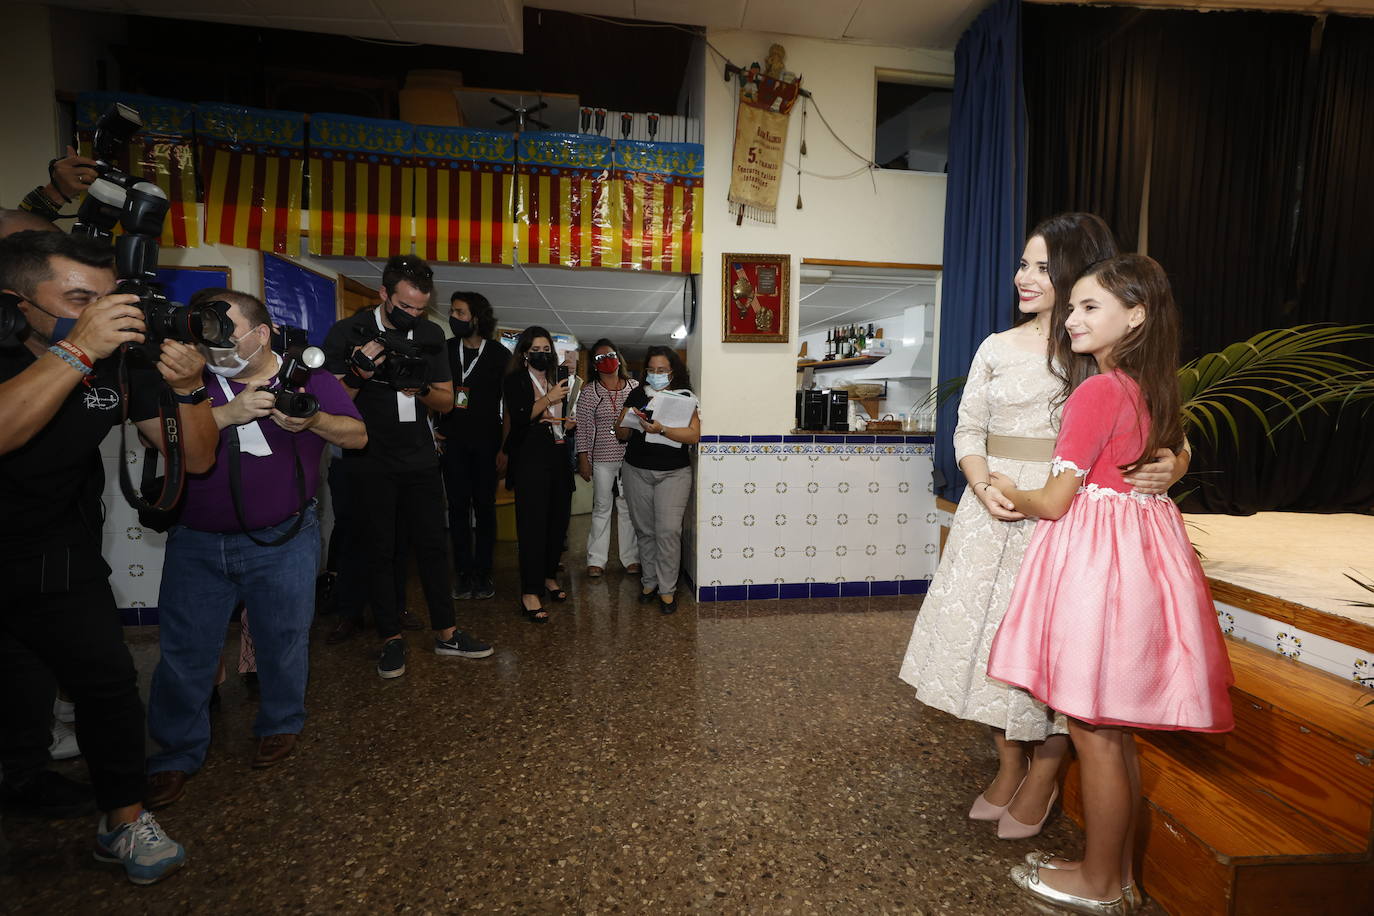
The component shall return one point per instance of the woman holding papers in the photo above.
(539, 467)
(659, 421)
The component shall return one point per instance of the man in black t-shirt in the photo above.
(59, 396)
(395, 478)
(471, 435)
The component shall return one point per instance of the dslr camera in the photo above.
(298, 359)
(117, 198)
(404, 365)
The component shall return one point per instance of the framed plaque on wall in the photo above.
(755, 291)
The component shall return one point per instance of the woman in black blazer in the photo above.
(539, 468)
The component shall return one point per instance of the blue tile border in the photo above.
(823, 436)
(877, 588)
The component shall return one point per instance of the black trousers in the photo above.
(469, 467)
(543, 505)
(350, 549)
(71, 626)
(385, 501)
(29, 690)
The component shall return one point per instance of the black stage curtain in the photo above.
(1228, 130)
(1260, 129)
(1089, 83)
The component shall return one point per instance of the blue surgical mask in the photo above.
(657, 380)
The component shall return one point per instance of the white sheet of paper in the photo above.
(670, 409)
(631, 421)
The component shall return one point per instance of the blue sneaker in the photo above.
(463, 645)
(147, 854)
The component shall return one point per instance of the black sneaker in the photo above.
(461, 644)
(409, 621)
(482, 587)
(393, 660)
(462, 589)
(47, 795)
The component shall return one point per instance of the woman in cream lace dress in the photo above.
(1007, 423)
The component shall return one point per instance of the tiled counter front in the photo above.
(814, 516)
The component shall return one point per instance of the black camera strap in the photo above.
(236, 491)
(169, 417)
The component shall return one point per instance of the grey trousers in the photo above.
(658, 500)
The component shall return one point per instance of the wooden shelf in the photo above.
(837, 363)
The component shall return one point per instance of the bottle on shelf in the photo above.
(860, 342)
(829, 346)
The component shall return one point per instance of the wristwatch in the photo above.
(195, 397)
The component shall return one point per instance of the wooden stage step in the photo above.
(1274, 817)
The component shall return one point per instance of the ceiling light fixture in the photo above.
(680, 333)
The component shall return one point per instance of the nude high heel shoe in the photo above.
(1009, 828)
(984, 810)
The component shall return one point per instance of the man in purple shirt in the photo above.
(216, 559)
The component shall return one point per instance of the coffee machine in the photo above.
(823, 410)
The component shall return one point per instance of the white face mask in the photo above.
(658, 380)
(226, 362)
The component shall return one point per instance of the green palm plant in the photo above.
(1274, 376)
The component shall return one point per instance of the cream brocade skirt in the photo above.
(947, 658)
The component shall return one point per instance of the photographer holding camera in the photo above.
(392, 358)
(60, 394)
(247, 532)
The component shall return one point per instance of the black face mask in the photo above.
(461, 329)
(400, 319)
(539, 360)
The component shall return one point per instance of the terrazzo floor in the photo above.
(729, 759)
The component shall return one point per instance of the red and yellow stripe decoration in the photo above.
(161, 153)
(464, 182)
(583, 201)
(254, 166)
(361, 186)
(659, 191)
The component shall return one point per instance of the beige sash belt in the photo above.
(1020, 448)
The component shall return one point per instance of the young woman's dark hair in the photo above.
(681, 378)
(1074, 240)
(484, 319)
(606, 342)
(522, 347)
(1148, 354)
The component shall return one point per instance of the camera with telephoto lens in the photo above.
(298, 359)
(117, 198)
(404, 367)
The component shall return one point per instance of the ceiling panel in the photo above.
(441, 11)
(300, 9)
(819, 20)
(720, 14)
(924, 25)
(363, 28)
(481, 37)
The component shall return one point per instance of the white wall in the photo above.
(885, 216)
(28, 103)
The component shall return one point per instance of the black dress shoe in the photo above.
(646, 597)
(47, 795)
(343, 631)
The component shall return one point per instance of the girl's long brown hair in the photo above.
(1074, 240)
(1148, 354)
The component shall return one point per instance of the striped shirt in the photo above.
(598, 411)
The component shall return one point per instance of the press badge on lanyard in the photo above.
(460, 392)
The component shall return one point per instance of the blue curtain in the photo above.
(985, 206)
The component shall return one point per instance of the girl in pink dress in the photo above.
(1111, 621)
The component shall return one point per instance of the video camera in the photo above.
(404, 366)
(298, 358)
(117, 198)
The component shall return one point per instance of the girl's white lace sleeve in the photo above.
(1063, 464)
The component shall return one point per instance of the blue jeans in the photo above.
(205, 575)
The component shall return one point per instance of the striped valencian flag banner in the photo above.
(586, 201)
(361, 186)
(161, 153)
(563, 200)
(253, 161)
(657, 187)
(464, 181)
